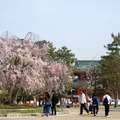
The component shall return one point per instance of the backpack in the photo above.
(105, 102)
(95, 101)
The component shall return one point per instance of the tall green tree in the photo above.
(64, 55)
(111, 65)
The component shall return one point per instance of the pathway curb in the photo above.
(28, 114)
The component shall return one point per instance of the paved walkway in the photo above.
(74, 115)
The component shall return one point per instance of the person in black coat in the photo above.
(54, 101)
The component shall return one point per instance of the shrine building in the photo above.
(82, 68)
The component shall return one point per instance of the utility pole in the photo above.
(95, 77)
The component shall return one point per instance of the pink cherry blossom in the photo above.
(24, 65)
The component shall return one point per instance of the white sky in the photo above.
(84, 26)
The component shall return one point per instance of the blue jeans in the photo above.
(46, 108)
(96, 108)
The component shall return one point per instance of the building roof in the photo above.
(85, 65)
(80, 84)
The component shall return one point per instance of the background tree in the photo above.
(111, 66)
(64, 55)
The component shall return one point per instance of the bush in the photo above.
(3, 96)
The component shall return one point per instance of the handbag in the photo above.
(94, 105)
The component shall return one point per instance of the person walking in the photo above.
(106, 102)
(46, 107)
(83, 103)
(90, 105)
(54, 101)
(95, 104)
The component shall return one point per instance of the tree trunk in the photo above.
(9, 100)
(14, 96)
(116, 94)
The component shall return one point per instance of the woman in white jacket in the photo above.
(83, 103)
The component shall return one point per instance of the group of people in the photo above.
(50, 102)
(94, 106)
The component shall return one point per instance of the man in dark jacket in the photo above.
(95, 104)
(54, 101)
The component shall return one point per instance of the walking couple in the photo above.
(50, 103)
(83, 102)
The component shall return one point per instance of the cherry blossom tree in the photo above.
(24, 65)
(21, 65)
(59, 77)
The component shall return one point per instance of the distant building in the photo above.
(82, 70)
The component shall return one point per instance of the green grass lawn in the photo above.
(27, 109)
(17, 106)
